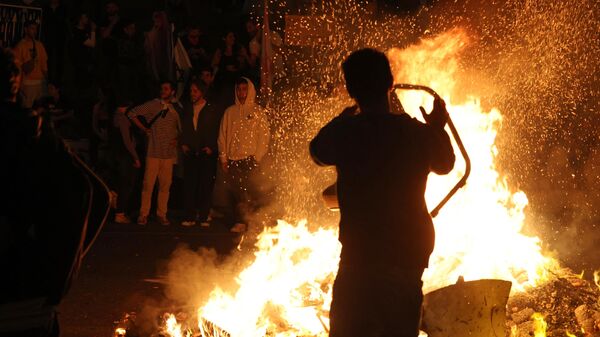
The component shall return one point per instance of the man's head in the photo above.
(368, 76)
(251, 27)
(54, 89)
(31, 29)
(197, 91)
(241, 89)
(83, 20)
(10, 79)
(129, 28)
(167, 90)
(206, 76)
(112, 8)
(193, 36)
(229, 39)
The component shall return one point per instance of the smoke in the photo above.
(193, 275)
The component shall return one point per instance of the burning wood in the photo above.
(568, 303)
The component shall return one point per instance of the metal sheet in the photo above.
(467, 309)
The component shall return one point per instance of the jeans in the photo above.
(198, 177)
(376, 303)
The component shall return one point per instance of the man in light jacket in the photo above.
(243, 142)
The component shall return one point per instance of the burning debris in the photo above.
(568, 304)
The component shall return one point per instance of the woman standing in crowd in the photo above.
(229, 61)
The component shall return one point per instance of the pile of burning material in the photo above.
(566, 305)
(166, 324)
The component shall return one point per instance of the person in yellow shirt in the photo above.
(31, 58)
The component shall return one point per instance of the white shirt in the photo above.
(197, 108)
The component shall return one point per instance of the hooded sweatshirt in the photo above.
(244, 130)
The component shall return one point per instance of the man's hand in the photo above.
(207, 150)
(225, 166)
(438, 116)
(186, 149)
(137, 164)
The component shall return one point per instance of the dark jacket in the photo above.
(382, 162)
(207, 128)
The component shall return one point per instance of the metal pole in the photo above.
(457, 139)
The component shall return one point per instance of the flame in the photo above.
(120, 332)
(570, 334)
(287, 287)
(286, 291)
(539, 325)
(478, 231)
(597, 278)
(174, 329)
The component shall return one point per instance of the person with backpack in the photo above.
(159, 120)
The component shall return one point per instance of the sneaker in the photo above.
(204, 224)
(164, 221)
(238, 228)
(122, 218)
(188, 223)
(142, 220)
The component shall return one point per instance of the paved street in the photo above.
(119, 274)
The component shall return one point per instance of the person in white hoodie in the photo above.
(243, 142)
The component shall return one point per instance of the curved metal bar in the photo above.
(457, 139)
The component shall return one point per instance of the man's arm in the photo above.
(141, 110)
(442, 156)
(324, 148)
(222, 140)
(43, 57)
(263, 134)
(441, 160)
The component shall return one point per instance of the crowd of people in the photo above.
(137, 105)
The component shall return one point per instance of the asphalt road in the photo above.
(117, 275)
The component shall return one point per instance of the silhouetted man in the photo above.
(55, 210)
(387, 235)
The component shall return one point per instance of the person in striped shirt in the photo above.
(162, 128)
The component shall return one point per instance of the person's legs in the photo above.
(239, 196)
(150, 175)
(244, 189)
(402, 296)
(376, 304)
(349, 313)
(190, 180)
(165, 177)
(206, 172)
(126, 179)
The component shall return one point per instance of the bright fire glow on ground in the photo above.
(286, 291)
